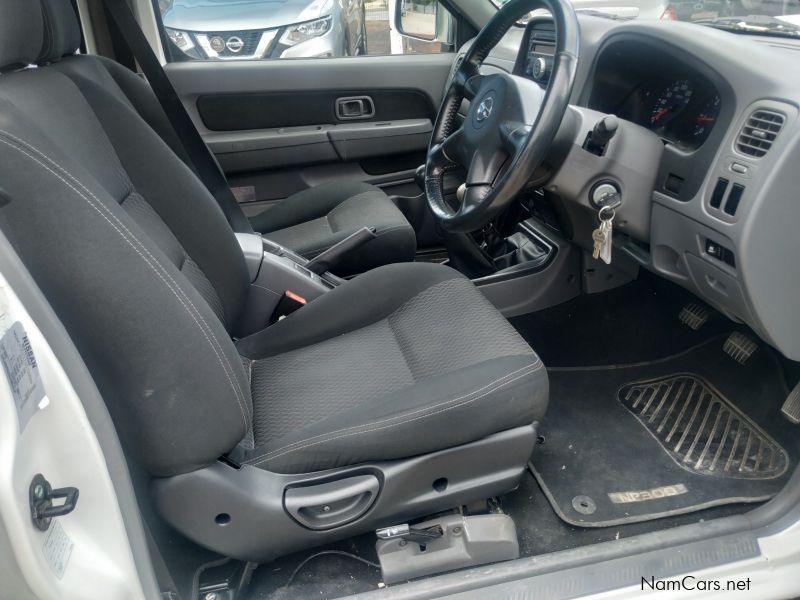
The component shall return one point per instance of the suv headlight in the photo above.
(301, 32)
(180, 38)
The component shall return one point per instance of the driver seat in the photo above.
(398, 394)
(308, 222)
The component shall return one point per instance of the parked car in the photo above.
(256, 29)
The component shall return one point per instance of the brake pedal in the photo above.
(458, 542)
(693, 316)
(791, 407)
(739, 347)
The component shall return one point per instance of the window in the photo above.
(223, 30)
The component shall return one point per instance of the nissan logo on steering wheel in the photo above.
(484, 109)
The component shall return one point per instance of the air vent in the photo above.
(759, 132)
(543, 32)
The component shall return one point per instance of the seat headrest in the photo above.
(62, 31)
(21, 32)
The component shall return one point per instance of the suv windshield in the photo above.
(757, 17)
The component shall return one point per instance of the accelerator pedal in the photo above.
(739, 347)
(791, 407)
(693, 316)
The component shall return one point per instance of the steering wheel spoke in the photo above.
(472, 86)
(485, 166)
(452, 147)
(514, 136)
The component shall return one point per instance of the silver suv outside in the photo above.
(256, 29)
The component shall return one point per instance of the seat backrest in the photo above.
(133, 253)
(62, 39)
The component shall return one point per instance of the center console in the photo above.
(276, 271)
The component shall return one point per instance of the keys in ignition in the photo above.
(603, 236)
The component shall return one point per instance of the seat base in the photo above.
(239, 512)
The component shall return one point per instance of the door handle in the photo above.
(355, 107)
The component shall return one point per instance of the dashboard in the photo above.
(673, 100)
(711, 120)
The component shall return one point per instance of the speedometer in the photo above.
(671, 102)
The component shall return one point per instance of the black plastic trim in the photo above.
(259, 528)
(267, 110)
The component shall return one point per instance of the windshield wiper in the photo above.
(753, 25)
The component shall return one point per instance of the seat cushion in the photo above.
(401, 361)
(315, 219)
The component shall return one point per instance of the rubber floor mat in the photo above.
(702, 430)
(629, 443)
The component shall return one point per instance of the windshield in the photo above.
(760, 17)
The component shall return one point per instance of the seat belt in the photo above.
(203, 162)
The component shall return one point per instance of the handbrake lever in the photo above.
(327, 261)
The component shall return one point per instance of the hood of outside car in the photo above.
(238, 15)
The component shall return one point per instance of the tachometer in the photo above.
(671, 102)
(705, 120)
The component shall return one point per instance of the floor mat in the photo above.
(631, 443)
(541, 531)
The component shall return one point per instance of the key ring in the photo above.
(609, 218)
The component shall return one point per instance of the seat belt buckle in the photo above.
(289, 303)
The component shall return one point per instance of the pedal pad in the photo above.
(463, 542)
(791, 407)
(739, 347)
(693, 316)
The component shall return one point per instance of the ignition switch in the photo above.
(605, 194)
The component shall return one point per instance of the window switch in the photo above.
(721, 253)
(714, 249)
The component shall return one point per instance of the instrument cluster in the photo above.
(657, 90)
(682, 110)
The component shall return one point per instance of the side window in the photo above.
(264, 29)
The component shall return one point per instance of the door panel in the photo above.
(275, 128)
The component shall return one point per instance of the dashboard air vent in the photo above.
(759, 132)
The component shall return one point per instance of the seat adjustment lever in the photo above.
(410, 534)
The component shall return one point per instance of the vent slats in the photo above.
(759, 132)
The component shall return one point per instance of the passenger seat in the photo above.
(308, 222)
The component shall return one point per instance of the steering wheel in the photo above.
(510, 125)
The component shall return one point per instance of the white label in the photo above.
(658, 493)
(22, 373)
(57, 548)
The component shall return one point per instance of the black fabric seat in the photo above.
(403, 360)
(307, 222)
(407, 360)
